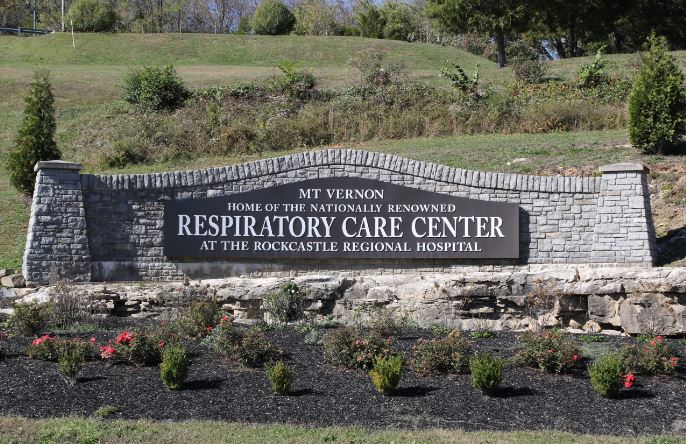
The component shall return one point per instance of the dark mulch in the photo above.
(325, 395)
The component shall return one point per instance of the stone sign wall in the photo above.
(88, 227)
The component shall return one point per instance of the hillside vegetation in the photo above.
(93, 121)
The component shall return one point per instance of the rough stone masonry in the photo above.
(87, 227)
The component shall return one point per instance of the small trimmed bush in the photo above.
(174, 367)
(551, 351)
(144, 350)
(486, 373)
(225, 338)
(449, 354)
(36, 138)
(256, 350)
(44, 348)
(156, 88)
(272, 17)
(607, 374)
(199, 319)
(70, 359)
(657, 103)
(92, 15)
(349, 348)
(595, 73)
(28, 319)
(280, 377)
(386, 373)
(286, 304)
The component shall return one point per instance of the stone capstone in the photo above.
(13, 281)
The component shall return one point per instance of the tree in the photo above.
(91, 16)
(35, 141)
(399, 21)
(272, 17)
(314, 17)
(657, 103)
(495, 17)
(369, 20)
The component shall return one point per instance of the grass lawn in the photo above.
(85, 430)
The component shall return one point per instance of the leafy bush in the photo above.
(91, 15)
(28, 319)
(594, 73)
(374, 71)
(650, 357)
(280, 377)
(225, 338)
(449, 354)
(529, 71)
(657, 103)
(156, 88)
(399, 21)
(70, 358)
(459, 80)
(174, 367)
(483, 334)
(348, 348)
(136, 347)
(386, 373)
(487, 372)
(199, 318)
(384, 324)
(552, 351)
(298, 84)
(256, 350)
(286, 304)
(36, 138)
(607, 374)
(44, 348)
(272, 17)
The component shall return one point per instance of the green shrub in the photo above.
(144, 350)
(122, 155)
(399, 21)
(486, 372)
(594, 73)
(36, 138)
(483, 334)
(552, 351)
(44, 348)
(650, 357)
(256, 350)
(92, 15)
(199, 319)
(348, 348)
(449, 354)
(156, 88)
(174, 366)
(225, 339)
(280, 377)
(607, 375)
(272, 17)
(298, 84)
(657, 103)
(28, 319)
(286, 304)
(386, 373)
(383, 323)
(529, 71)
(70, 358)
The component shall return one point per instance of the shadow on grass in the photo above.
(414, 391)
(203, 384)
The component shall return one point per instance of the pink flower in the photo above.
(92, 340)
(124, 338)
(107, 352)
(628, 384)
(659, 339)
(575, 357)
(162, 344)
(209, 329)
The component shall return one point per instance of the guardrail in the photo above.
(20, 31)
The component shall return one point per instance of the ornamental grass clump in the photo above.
(551, 351)
(71, 355)
(486, 373)
(280, 377)
(652, 356)
(350, 348)
(386, 373)
(174, 366)
(449, 354)
(608, 376)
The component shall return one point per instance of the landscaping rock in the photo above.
(13, 281)
(6, 272)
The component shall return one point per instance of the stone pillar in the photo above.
(57, 241)
(624, 231)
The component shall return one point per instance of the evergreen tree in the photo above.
(657, 103)
(35, 141)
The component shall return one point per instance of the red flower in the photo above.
(628, 384)
(550, 350)
(659, 339)
(162, 344)
(209, 329)
(92, 340)
(107, 352)
(42, 339)
(124, 338)
(630, 378)
(673, 361)
(575, 357)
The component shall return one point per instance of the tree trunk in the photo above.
(572, 38)
(500, 43)
(615, 42)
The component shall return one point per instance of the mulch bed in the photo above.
(326, 395)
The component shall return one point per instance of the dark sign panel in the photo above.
(340, 217)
